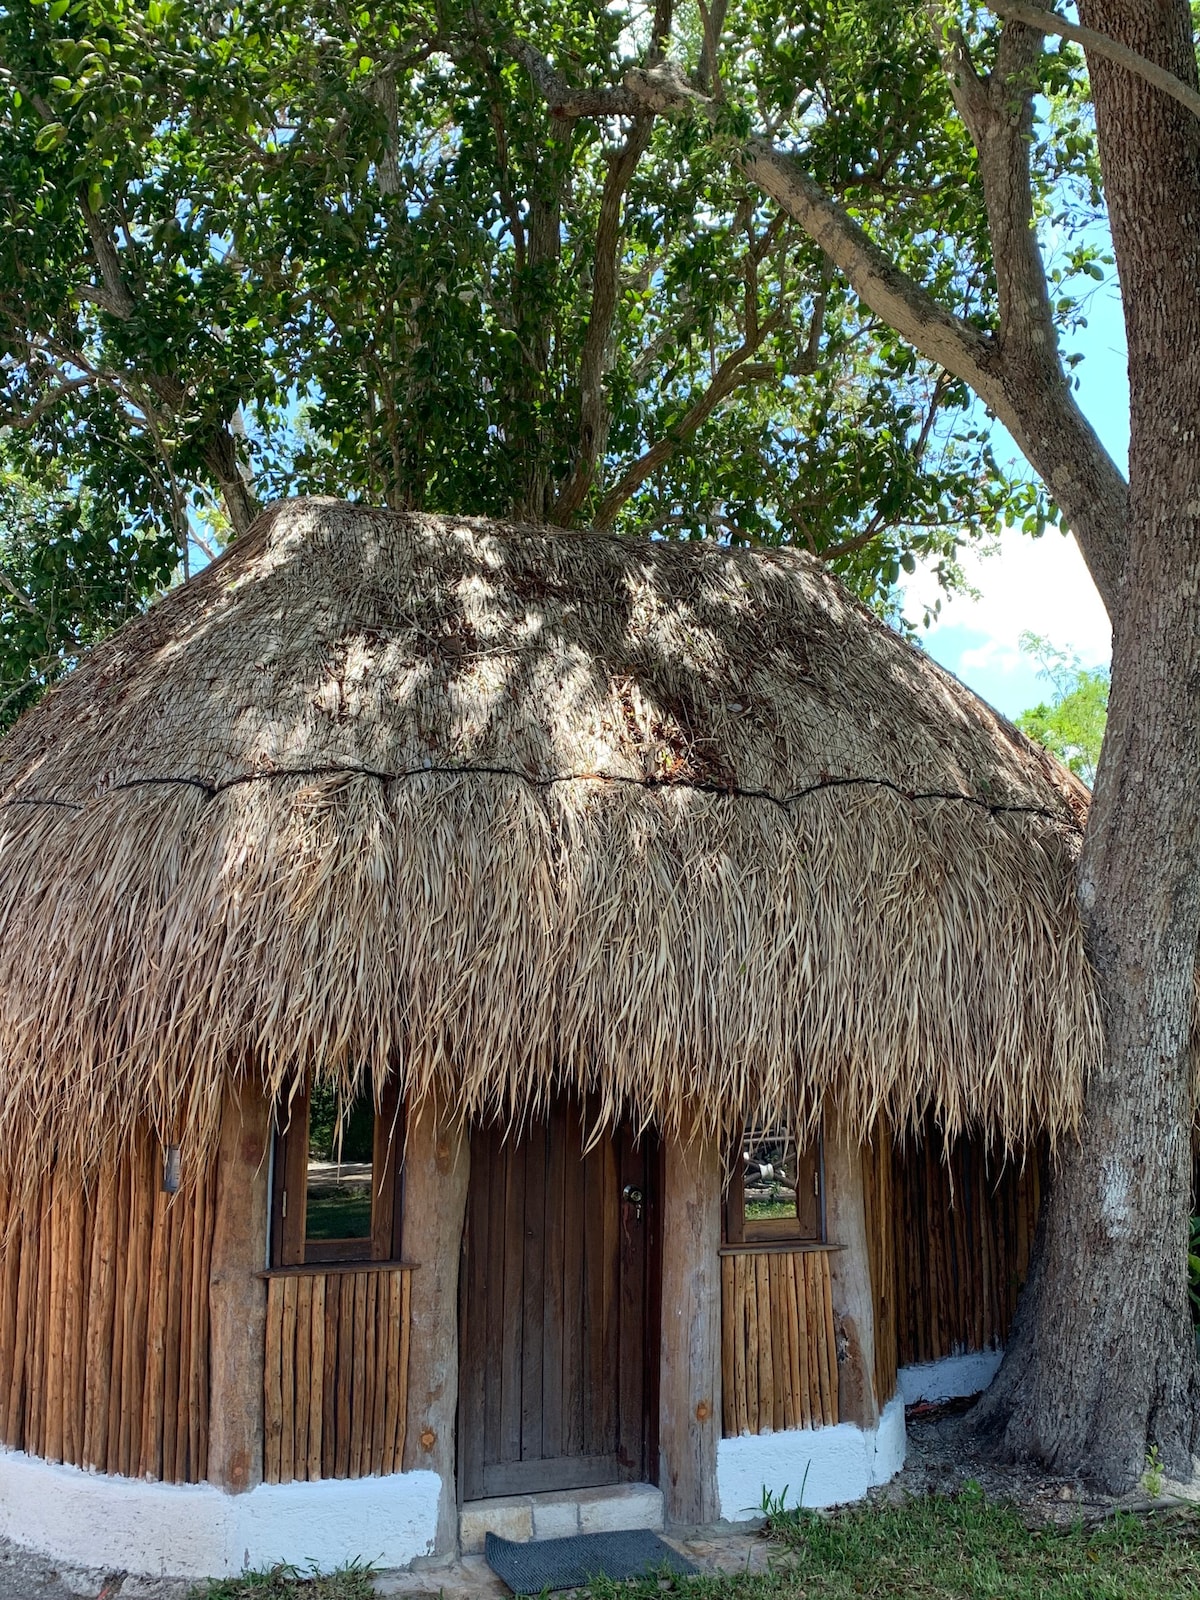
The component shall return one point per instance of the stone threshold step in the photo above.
(560, 1513)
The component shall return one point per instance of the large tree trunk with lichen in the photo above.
(1102, 1365)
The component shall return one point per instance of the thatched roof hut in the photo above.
(650, 892)
(506, 808)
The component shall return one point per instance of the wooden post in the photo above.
(437, 1164)
(690, 1388)
(850, 1276)
(237, 1295)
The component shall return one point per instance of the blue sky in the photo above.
(1038, 584)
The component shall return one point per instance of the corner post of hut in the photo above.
(237, 1293)
(690, 1374)
(851, 1288)
(437, 1161)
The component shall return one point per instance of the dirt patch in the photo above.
(944, 1454)
(26, 1576)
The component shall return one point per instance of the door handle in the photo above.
(634, 1197)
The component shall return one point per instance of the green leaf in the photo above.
(49, 137)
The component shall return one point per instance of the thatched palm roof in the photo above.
(498, 808)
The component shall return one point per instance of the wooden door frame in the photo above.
(656, 1168)
(652, 1359)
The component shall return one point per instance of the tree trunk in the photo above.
(221, 457)
(1101, 1366)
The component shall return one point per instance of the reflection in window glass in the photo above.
(341, 1142)
(769, 1174)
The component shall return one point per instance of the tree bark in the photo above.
(1102, 1363)
(221, 458)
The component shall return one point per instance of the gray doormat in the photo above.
(541, 1564)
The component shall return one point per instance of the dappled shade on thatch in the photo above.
(502, 808)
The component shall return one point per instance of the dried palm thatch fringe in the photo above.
(501, 809)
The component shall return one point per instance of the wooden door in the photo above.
(558, 1307)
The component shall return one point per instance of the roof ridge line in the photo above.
(211, 789)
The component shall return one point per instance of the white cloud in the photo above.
(1037, 585)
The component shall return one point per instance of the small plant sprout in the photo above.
(1152, 1478)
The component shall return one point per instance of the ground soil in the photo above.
(24, 1576)
(943, 1455)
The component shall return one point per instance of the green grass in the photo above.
(965, 1548)
(286, 1583)
(969, 1549)
(956, 1549)
(339, 1214)
(757, 1209)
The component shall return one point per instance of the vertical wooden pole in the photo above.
(437, 1163)
(237, 1296)
(690, 1383)
(850, 1276)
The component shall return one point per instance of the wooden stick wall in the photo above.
(778, 1357)
(879, 1200)
(947, 1271)
(336, 1373)
(104, 1322)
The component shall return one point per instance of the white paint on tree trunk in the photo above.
(809, 1466)
(951, 1378)
(195, 1530)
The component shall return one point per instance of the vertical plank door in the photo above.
(558, 1356)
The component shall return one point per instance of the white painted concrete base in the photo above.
(809, 1466)
(196, 1531)
(611, 1508)
(949, 1379)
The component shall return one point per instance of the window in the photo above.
(336, 1190)
(776, 1191)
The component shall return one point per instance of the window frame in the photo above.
(290, 1247)
(737, 1232)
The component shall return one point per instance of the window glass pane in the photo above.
(341, 1142)
(769, 1181)
(781, 1185)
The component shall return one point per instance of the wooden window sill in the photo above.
(777, 1247)
(321, 1269)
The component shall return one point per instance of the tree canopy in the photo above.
(1071, 723)
(315, 247)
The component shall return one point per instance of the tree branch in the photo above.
(890, 293)
(387, 172)
(728, 376)
(562, 98)
(593, 366)
(10, 586)
(1044, 419)
(114, 297)
(998, 114)
(220, 448)
(46, 401)
(1099, 44)
(712, 20)
(594, 362)
(859, 541)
